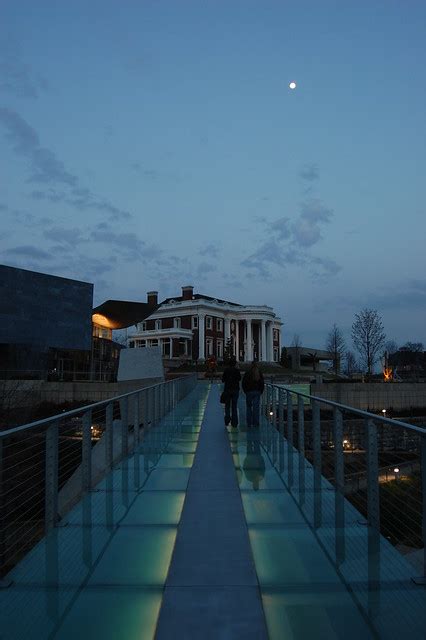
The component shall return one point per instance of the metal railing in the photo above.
(46, 466)
(375, 463)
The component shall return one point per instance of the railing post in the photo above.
(301, 447)
(316, 445)
(274, 425)
(86, 457)
(136, 421)
(51, 491)
(422, 579)
(109, 411)
(281, 441)
(373, 514)
(290, 438)
(124, 412)
(339, 481)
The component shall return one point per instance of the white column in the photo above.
(249, 347)
(227, 326)
(237, 340)
(262, 355)
(201, 336)
(270, 342)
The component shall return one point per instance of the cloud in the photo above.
(28, 251)
(309, 172)
(18, 78)
(211, 250)
(45, 166)
(289, 242)
(49, 171)
(63, 236)
(204, 268)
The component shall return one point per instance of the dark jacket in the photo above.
(231, 377)
(253, 385)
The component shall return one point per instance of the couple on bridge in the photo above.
(253, 385)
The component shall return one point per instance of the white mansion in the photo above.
(195, 327)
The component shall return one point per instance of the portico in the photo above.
(196, 327)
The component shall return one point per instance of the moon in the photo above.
(292, 85)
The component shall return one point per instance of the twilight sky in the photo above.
(152, 144)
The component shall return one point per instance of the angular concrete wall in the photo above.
(374, 396)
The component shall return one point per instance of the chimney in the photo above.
(187, 292)
(152, 298)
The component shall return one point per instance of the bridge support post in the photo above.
(339, 480)
(51, 491)
(290, 439)
(86, 454)
(316, 444)
(301, 446)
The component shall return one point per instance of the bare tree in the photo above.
(368, 337)
(336, 345)
(413, 346)
(350, 363)
(391, 347)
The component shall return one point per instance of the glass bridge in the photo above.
(169, 525)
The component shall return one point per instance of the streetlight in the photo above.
(384, 413)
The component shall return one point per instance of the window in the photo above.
(141, 343)
(219, 324)
(158, 324)
(154, 343)
(209, 322)
(143, 326)
(209, 347)
(195, 322)
(276, 335)
(220, 349)
(131, 344)
(176, 323)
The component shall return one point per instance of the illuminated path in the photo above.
(212, 590)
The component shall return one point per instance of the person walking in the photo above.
(253, 386)
(231, 379)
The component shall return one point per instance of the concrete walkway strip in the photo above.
(212, 590)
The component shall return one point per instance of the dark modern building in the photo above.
(45, 325)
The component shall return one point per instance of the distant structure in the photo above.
(50, 331)
(45, 324)
(310, 359)
(196, 327)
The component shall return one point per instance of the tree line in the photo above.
(369, 341)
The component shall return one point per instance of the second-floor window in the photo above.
(195, 322)
(209, 322)
(158, 324)
(176, 323)
(219, 324)
(143, 326)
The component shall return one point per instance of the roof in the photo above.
(119, 314)
(200, 296)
